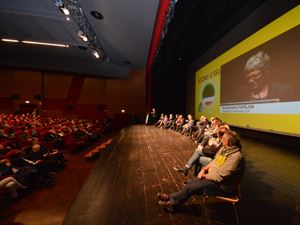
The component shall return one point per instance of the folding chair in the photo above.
(234, 199)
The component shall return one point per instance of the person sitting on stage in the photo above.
(210, 129)
(179, 123)
(170, 122)
(159, 123)
(189, 124)
(199, 128)
(220, 177)
(205, 152)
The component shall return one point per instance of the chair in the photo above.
(235, 198)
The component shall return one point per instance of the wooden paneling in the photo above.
(26, 84)
(56, 86)
(84, 99)
(127, 94)
(93, 91)
(6, 82)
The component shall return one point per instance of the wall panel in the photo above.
(56, 85)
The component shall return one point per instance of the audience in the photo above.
(12, 185)
(32, 148)
(32, 152)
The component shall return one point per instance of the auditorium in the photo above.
(139, 112)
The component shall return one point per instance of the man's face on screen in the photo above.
(257, 79)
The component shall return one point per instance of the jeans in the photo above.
(196, 186)
(197, 154)
(203, 161)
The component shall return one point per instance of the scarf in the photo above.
(223, 154)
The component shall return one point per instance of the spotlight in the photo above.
(96, 54)
(82, 36)
(64, 9)
(72, 8)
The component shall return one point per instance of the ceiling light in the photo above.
(73, 10)
(82, 35)
(45, 43)
(64, 9)
(88, 34)
(27, 102)
(9, 40)
(96, 54)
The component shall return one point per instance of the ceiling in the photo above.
(124, 33)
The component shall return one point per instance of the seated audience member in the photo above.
(205, 152)
(11, 184)
(220, 177)
(52, 160)
(24, 175)
(28, 172)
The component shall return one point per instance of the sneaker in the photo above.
(184, 170)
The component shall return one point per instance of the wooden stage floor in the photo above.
(123, 184)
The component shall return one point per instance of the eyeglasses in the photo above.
(254, 75)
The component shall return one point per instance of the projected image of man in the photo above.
(259, 82)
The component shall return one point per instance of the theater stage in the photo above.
(122, 186)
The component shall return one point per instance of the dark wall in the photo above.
(194, 28)
(292, 143)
